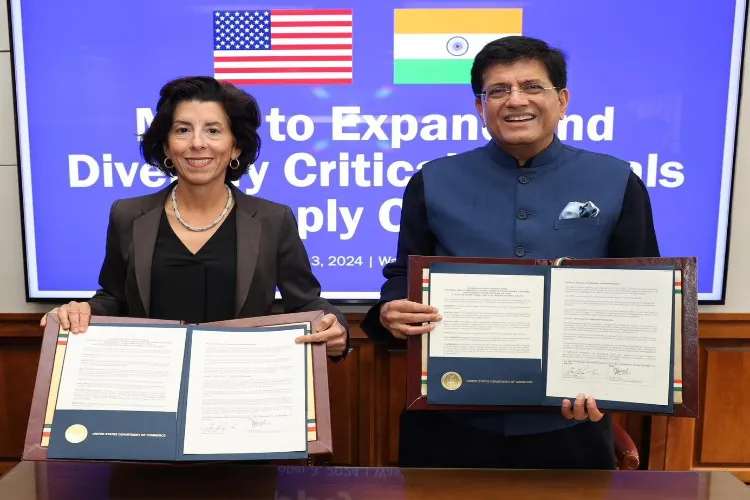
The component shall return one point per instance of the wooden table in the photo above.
(90, 481)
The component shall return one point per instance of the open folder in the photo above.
(159, 391)
(524, 334)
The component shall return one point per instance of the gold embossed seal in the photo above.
(451, 381)
(76, 433)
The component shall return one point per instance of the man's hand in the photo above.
(330, 331)
(581, 412)
(400, 317)
(73, 316)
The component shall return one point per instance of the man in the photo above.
(506, 199)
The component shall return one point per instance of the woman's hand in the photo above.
(331, 332)
(73, 316)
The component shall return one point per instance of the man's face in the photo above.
(521, 120)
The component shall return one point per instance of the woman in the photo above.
(200, 250)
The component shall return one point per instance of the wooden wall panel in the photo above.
(6, 465)
(368, 394)
(719, 438)
(20, 342)
(342, 384)
(725, 437)
(396, 401)
(18, 361)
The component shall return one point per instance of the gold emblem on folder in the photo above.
(76, 433)
(451, 381)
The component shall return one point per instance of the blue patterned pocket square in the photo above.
(577, 210)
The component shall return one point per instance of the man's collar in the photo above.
(545, 157)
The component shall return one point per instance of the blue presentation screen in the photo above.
(356, 97)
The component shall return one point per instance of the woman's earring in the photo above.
(168, 166)
(234, 163)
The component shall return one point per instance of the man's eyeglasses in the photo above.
(501, 93)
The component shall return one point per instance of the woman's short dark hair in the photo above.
(241, 108)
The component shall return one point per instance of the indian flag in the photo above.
(437, 46)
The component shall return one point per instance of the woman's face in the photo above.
(200, 143)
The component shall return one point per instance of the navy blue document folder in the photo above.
(588, 336)
(126, 433)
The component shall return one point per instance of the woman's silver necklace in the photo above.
(206, 227)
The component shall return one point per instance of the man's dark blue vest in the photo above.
(482, 204)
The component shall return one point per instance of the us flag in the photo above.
(283, 46)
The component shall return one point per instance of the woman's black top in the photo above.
(196, 288)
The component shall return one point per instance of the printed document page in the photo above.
(246, 393)
(123, 368)
(610, 333)
(487, 315)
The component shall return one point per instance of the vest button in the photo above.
(520, 251)
(523, 179)
(522, 214)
